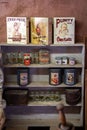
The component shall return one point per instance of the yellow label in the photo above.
(39, 30)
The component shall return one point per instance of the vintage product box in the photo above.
(41, 30)
(64, 30)
(17, 30)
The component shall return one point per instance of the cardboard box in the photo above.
(41, 30)
(64, 30)
(17, 30)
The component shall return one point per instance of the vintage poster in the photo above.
(17, 30)
(64, 30)
(40, 30)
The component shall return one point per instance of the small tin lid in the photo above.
(71, 58)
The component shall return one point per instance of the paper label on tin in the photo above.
(54, 78)
(64, 30)
(23, 78)
(17, 30)
(70, 78)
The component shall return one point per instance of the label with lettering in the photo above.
(64, 30)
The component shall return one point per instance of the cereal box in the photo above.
(17, 30)
(64, 30)
(41, 30)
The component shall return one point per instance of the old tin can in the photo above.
(58, 60)
(26, 59)
(71, 61)
(44, 57)
(64, 60)
(54, 76)
(70, 76)
(23, 77)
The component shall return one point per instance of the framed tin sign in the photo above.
(64, 30)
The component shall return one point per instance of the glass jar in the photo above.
(44, 56)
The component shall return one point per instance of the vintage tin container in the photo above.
(17, 30)
(23, 77)
(41, 30)
(54, 76)
(64, 30)
(44, 56)
(65, 60)
(70, 76)
(58, 60)
(27, 59)
(72, 61)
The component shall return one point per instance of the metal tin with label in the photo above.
(23, 77)
(71, 61)
(70, 76)
(64, 60)
(58, 60)
(54, 76)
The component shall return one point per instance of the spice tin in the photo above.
(26, 59)
(54, 76)
(70, 76)
(64, 60)
(71, 61)
(44, 57)
(58, 60)
(23, 76)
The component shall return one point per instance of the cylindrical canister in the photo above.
(58, 60)
(23, 77)
(65, 60)
(70, 76)
(55, 76)
(44, 56)
(71, 61)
